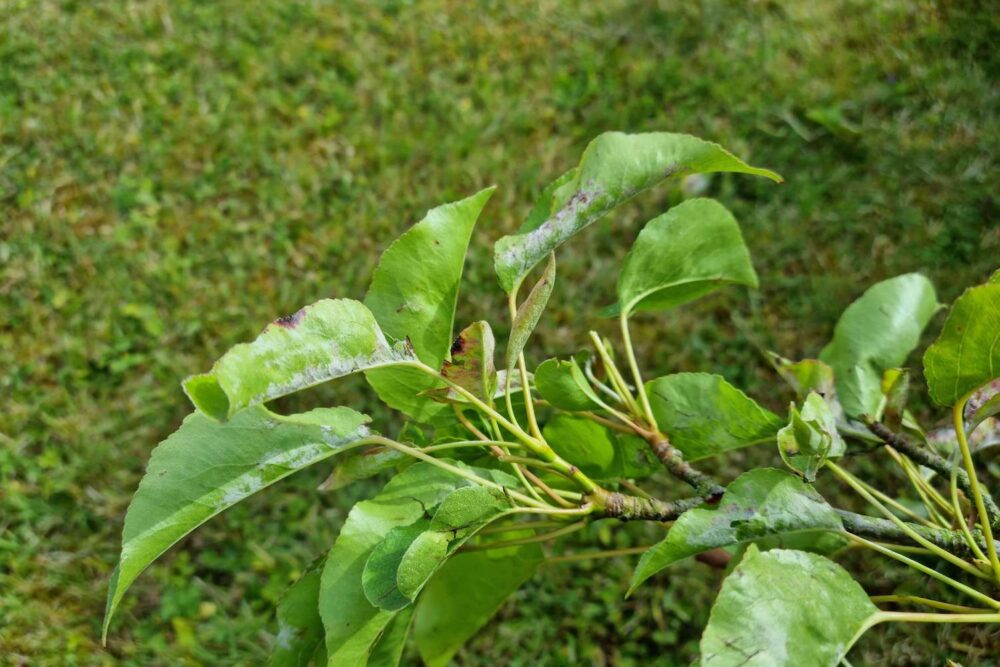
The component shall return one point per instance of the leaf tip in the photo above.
(208, 396)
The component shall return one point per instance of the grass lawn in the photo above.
(174, 175)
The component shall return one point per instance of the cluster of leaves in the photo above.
(493, 462)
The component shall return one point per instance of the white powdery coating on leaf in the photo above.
(286, 634)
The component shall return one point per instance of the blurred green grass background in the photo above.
(174, 175)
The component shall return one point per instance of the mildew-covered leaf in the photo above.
(207, 466)
(757, 504)
(877, 332)
(563, 385)
(471, 365)
(614, 168)
(784, 608)
(966, 356)
(811, 437)
(691, 250)
(405, 560)
(464, 594)
(351, 623)
(982, 405)
(704, 415)
(300, 629)
(326, 340)
(529, 312)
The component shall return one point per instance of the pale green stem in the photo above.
(977, 494)
(459, 472)
(943, 578)
(893, 503)
(927, 602)
(912, 534)
(614, 375)
(640, 387)
(611, 553)
(470, 443)
(600, 386)
(543, 537)
(977, 552)
(917, 617)
(529, 407)
(923, 489)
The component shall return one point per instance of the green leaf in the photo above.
(413, 295)
(460, 516)
(896, 389)
(703, 415)
(811, 437)
(691, 250)
(471, 365)
(465, 593)
(300, 629)
(784, 608)
(805, 376)
(614, 168)
(388, 650)
(584, 443)
(757, 504)
(966, 355)
(207, 466)
(529, 312)
(379, 576)
(326, 340)
(877, 332)
(415, 287)
(352, 624)
(563, 384)
(982, 405)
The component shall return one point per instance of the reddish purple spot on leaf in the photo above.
(291, 321)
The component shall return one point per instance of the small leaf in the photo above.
(563, 384)
(785, 608)
(703, 415)
(300, 629)
(614, 168)
(757, 504)
(351, 623)
(471, 365)
(691, 250)
(356, 466)
(805, 376)
(966, 356)
(529, 312)
(877, 332)
(329, 339)
(460, 516)
(896, 389)
(811, 437)
(206, 467)
(465, 593)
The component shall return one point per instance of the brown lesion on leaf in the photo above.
(291, 321)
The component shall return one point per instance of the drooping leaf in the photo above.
(614, 168)
(783, 608)
(563, 384)
(877, 332)
(465, 593)
(352, 625)
(471, 365)
(529, 312)
(811, 437)
(757, 504)
(691, 250)
(413, 295)
(966, 356)
(703, 415)
(207, 466)
(326, 340)
(300, 629)
(460, 516)
(415, 287)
